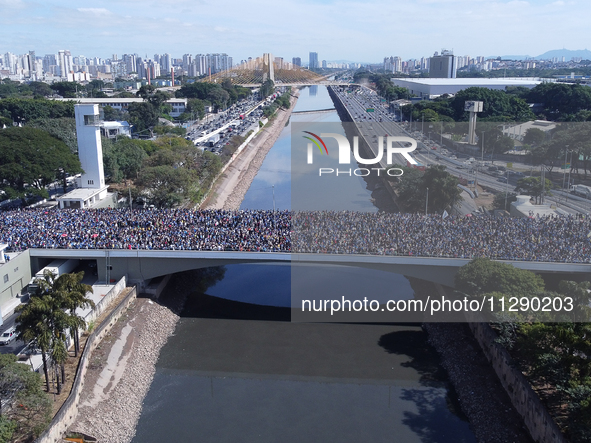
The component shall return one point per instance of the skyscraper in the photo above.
(442, 66)
(297, 61)
(313, 61)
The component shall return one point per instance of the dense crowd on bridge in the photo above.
(176, 229)
(560, 239)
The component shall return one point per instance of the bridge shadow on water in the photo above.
(428, 423)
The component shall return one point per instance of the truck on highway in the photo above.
(581, 190)
(57, 267)
(213, 140)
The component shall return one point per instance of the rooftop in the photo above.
(476, 81)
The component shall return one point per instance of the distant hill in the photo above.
(509, 57)
(585, 54)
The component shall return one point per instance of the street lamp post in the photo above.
(564, 170)
(483, 147)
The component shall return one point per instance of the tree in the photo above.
(112, 114)
(66, 89)
(195, 105)
(561, 99)
(497, 142)
(34, 326)
(63, 128)
(497, 105)
(26, 110)
(31, 406)
(40, 88)
(482, 276)
(532, 186)
(267, 88)
(123, 158)
(71, 294)
(503, 201)
(31, 159)
(412, 189)
(534, 136)
(142, 116)
(443, 188)
(219, 98)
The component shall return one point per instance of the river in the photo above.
(238, 370)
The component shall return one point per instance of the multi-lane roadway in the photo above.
(369, 112)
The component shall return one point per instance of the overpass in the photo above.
(317, 111)
(142, 265)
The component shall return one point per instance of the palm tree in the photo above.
(71, 293)
(34, 325)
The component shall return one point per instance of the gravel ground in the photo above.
(121, 372)
(482, 398)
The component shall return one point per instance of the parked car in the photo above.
(8, 335)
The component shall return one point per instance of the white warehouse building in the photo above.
(428, 88)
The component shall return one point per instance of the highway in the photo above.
(380, 122)
(371, 118)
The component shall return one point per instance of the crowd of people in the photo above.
(559, 239)
(157, 229)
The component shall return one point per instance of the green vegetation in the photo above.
(502, 202)
(553, 355)
(574, 139)
(25, 110)
(282, 101)
(219, 95)
(174, 172)
(31, 159)
(412, 190)
(498, 106)
(532, 186)
(29, 408)
(267, 88)
(50, 312)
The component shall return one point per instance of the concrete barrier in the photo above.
(69, 410)
(106, 300)
(536, 417)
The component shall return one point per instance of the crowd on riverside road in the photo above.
(559, 239)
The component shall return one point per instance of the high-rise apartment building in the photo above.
(442, 66)
(313, 63)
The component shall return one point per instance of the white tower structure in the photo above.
(91, 184)
(90, 149)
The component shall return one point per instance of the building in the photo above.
(428, 88)
(517, 132)
(313, 64)
(115, 129)
(442, 66)
(296, 61)
(92, 190)
(392, 64)
(121, 104)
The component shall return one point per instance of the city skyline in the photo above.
(324, 26)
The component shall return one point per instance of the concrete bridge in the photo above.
(314, 111)
(142, 265)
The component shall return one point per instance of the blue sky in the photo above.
(336, 29)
